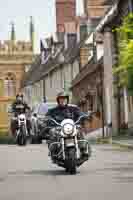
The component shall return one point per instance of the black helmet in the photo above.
(62, 94)
(19, 95)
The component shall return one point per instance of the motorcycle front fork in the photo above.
(76, 146)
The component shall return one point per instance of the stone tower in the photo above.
(14, 57)
(65, 12)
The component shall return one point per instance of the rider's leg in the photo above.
(14, 126)
(28, 124)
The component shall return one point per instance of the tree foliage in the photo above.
(125, 60)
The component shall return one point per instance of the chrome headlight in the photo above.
(68, 129)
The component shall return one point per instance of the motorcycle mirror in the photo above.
(35, 114)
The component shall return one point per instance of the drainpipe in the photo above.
(126, 105)
(102, 105)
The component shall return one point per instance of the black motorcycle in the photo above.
(64, 145)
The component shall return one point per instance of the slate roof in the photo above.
(38, 70)
(90, 67)
(34, 67)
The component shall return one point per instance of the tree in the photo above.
(125, 61)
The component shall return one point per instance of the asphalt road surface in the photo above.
(26, 173)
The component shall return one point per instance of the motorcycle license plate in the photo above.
(69, 142)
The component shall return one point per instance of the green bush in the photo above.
(7, 140)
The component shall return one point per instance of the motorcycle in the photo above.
(21, 132)
(37, 126)
(64, 145)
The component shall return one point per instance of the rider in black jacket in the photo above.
(19, 107)
(63, 111)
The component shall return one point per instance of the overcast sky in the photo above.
(43, 12)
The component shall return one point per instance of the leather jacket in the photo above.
(19, 107)
(60, 113)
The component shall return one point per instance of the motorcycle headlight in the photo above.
(22, 119)
(68, 129)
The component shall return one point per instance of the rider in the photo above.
(19, 107)
(64, 110)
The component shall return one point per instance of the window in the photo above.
(1, 88)
(9, 85)
(130, 5)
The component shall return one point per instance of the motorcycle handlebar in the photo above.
(53, 120)
(85, 116)
(81, 117)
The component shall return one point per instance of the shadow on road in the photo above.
(40, 172)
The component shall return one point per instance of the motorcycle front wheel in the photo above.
(21, 138)
(71, 161)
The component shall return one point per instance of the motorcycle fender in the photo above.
(68, 145)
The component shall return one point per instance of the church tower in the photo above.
(15, 56)
(65, 12)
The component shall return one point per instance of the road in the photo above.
(27, 174)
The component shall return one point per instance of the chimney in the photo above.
(65, 12)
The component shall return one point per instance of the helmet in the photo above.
(62, 94)
(19, 95)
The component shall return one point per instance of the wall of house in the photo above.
(86, 95)
(75, 69)
(60, 78)
(52, 84)
(33, 94)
